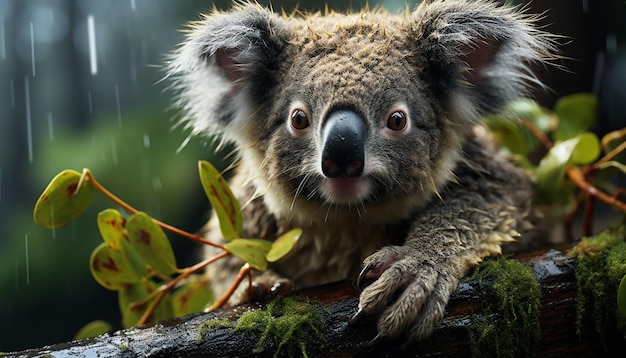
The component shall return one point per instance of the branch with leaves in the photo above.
(136, 258)
(576, 166)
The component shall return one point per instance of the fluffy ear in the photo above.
(225, 66)
(476, 54)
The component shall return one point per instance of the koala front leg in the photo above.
(412, 283)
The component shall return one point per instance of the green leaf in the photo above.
(132, 302)
(511, 134)
(621, 297)
(222, 200)
(526, 109)
(193, 296)
(252, 251)
(112, 227)
(151, 243)
(111, 268)
(94, 329)
(577, 113)
(580, 150)
(60, 203)
(283, 245)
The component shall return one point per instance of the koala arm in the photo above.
(447, 238)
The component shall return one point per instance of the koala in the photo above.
(360, 129)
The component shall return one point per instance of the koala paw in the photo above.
(407, 292)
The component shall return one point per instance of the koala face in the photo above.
(351, 112)
(358, 126)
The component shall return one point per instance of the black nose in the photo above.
(343, 144)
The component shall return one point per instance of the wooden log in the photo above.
(553, 269)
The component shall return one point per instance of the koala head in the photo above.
(357, 112)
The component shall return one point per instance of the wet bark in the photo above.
(179, 337)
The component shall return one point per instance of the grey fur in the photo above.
(433, 200)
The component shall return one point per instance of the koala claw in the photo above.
(408, 294)
(374, 341)
(357, 316)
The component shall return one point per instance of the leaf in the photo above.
(193, 296)
(60, 203)
(94, 329)
(580, 150)
(577, 113)
(111, 268)
(132, 302)
(283, 245)
(526, 109)
(151, 243)
(621, 297)
(111, 225)
(511, 134)
(252, 251)
(222, 200)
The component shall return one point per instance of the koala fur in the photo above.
(359, 129)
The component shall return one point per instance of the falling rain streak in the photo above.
(50, 127)
(118, 105)
(29, 128)
(3, 42)
(32, 46)
(91, 32)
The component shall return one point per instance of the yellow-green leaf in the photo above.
(283, 245)
(193, 296)
(61, 202)
(111, 225)
(252, 251)
(580, 150)
(151, 243)
(577, 113)
(94, 329)
(222, 200)
(111, 268)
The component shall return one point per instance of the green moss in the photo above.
(508, 325)
(212, 326)
(601, 265)
(289, 326)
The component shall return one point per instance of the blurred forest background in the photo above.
(80, 87)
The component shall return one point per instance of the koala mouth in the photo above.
(345, 190)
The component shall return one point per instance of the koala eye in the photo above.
(397, 121)
(299, 119)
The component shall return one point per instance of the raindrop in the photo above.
(50, 127)
(27, 265)
(32, 47)
(146, 141)
(585, 6)
(132, 4)
(0, 185)
(156, 183)
(29, 129)
(91, 33)
(118, 105)
(3, 42)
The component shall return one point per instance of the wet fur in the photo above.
(441, 199)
